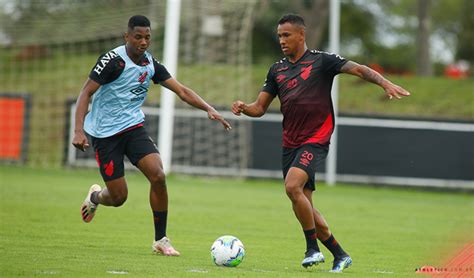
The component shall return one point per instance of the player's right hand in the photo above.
(80, 141)
(212, 114)
(395, 91)
(238, 107)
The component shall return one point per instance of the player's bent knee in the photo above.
(293, 191)
(158, 179)
(119, 201)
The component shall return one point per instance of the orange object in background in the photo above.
(458, 70)
(378, 68)
(12, 124)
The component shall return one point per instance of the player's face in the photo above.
(291, 37)
(138, 40)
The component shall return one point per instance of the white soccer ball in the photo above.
(227, 251)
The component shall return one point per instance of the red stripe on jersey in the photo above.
(323, 135)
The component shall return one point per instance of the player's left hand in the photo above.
(80, 141)
(395, 91)
(214, 115)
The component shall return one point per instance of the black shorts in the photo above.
(306, 157)
(110, 151)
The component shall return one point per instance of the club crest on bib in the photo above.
(142, 77)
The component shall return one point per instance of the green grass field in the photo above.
(388, 231)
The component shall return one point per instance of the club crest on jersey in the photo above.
(306, 71)
(142, 77)
(104, 60)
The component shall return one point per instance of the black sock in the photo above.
(95, 197)
(159, 218)
(311, 239)
(333, 246)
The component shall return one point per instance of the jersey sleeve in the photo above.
(107, 69)
(161, 73)
(333, 63)
(270, 85)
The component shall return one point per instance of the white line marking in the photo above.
(198, 270)
(118, 272)
(383, 271)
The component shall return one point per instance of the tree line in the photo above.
(404, 36)
(399, 35)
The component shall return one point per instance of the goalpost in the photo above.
(334, 34)
(170, 58)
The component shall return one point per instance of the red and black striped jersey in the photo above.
(304, 90)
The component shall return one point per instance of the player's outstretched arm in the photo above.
(82, 104)
(366, 73)
(254, 109)
(193, 99)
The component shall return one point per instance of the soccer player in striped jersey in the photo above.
(118, 85)
(302, 81)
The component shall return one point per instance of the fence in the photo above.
(401, 152)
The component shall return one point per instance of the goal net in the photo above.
(47, 49)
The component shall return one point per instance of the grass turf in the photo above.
(388, 231)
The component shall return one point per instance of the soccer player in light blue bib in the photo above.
(118, 85)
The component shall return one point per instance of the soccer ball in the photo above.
(227, 251)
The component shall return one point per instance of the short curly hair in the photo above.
(293, 19)
(138, 20)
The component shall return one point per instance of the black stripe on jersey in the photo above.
(108, 68)
(161, 73)
(103, 61)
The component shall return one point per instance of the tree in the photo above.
(401, 19)
(358, 30)
(315, 14)
(465, 49)
(424, 66)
